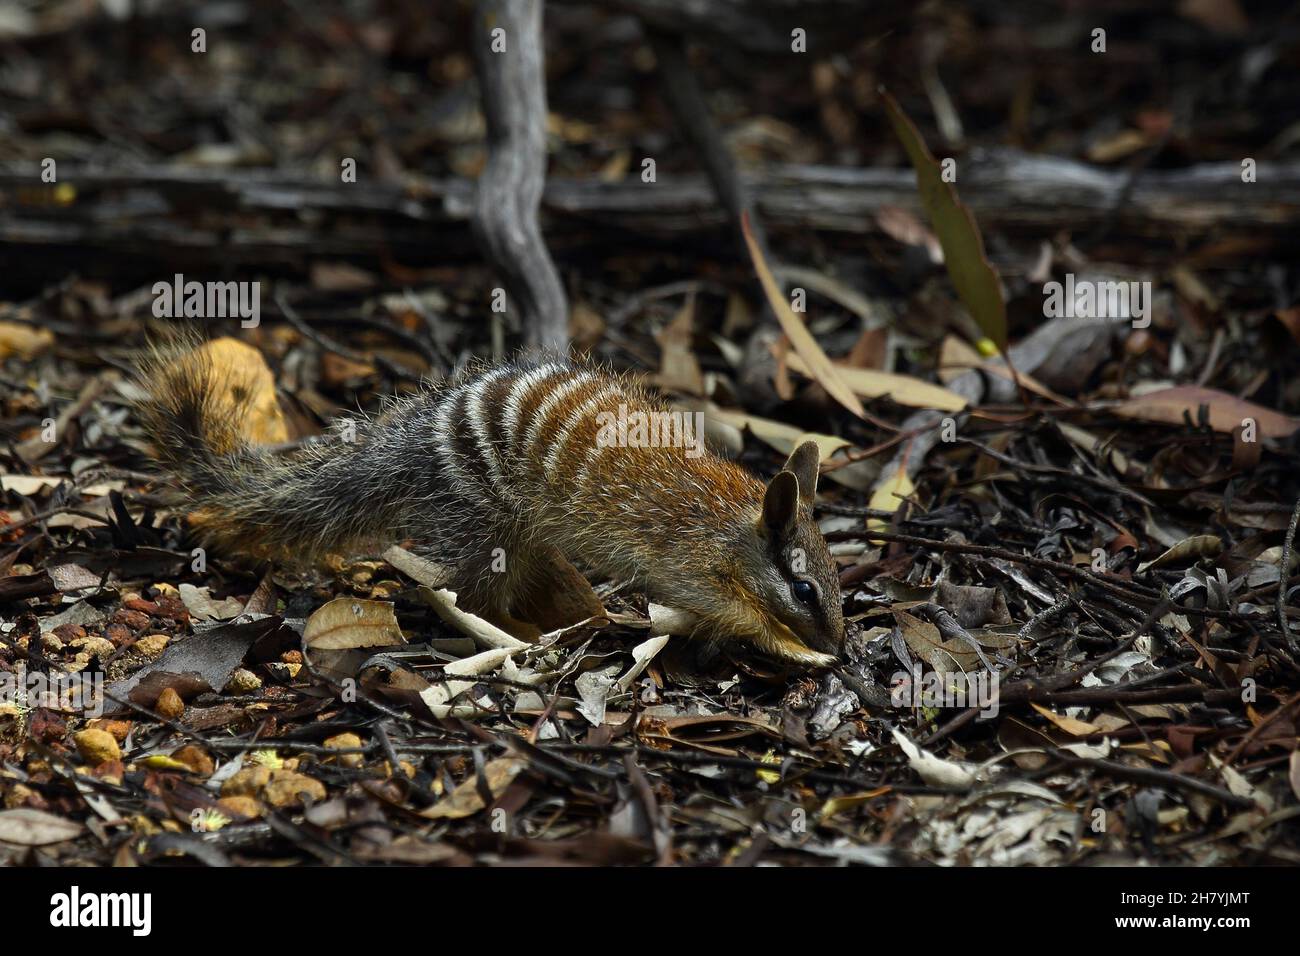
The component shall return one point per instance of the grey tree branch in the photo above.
(513, 84)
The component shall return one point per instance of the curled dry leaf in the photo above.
(348, 623)
(438, 697)
(934, 770)
(203, 607)
(642, 655)
(1189, 549)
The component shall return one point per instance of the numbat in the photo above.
(497, 470)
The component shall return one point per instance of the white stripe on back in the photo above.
(514, 403)
(558, 394)
(478, 426)
(574, 419)
(446, 438)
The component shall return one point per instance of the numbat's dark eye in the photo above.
(804, 592)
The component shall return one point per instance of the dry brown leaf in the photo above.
(923, 640)
(870, 350)
(347, 623)
(28, 827)
(1226, 412)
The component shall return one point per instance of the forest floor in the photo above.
(1107, 547)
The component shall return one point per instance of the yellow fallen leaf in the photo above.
(889, 496)
(1072, 726)
(784, 438)
(163, 762)
(903, 389)
(24, 341)
(819, 366)
(850, 802)
(770, 776)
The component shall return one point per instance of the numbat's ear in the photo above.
(781, 505)
(804, 463)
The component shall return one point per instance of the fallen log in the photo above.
(155, 211)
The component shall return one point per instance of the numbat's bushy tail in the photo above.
(495, 472)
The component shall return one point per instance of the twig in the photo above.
(331, 345)
(1154, 775)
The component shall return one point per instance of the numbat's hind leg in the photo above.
(552, 593)
(526, 590)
